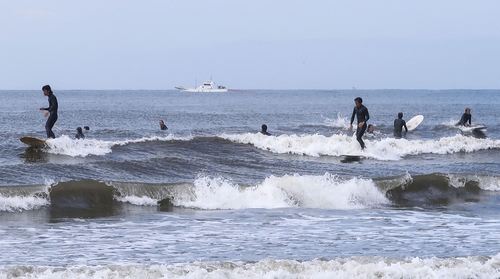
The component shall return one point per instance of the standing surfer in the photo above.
(51, 111)
(362, 115)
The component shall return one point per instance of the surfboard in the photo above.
(414, 122)
(352, 157)
(31, 141)
(472, 128)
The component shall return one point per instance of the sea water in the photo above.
(213, 198)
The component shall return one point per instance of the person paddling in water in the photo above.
(79, 133)
(51, 111)
(163, 127)
(362, 115)
(264, 130)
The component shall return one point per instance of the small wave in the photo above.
(99, 198)
(18, 203)
(65, 145)
(21, 198)
(484, 182)
(327, 191)
(353, 267)
(437, 189)
(384, 149)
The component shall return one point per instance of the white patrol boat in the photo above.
(207, 86)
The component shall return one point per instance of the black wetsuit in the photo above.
(362, 115)
(398, 127)
(80, 135)
(265, 133)
(465, 118)
(163, 127)
(51, 120)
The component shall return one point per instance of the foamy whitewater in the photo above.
(212, 197)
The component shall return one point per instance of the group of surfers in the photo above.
(360, 112)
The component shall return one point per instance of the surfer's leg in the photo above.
(359, 135)
(49, 124)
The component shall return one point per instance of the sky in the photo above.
(258, 44)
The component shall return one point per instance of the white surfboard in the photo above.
(472, 128)
(414, 122)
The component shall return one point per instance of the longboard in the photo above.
(414, 122)
(354, 157)
(31, 141)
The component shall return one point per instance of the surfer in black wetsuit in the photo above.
(79, 133)
(51, 111)
(466, 117)
(399, 123)
(163, 127)
(362, 115)
(264, 130)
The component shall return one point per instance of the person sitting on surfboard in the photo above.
(162, 125)
(264, 130)
(399, 123)
(79, 134)
(362, 115)
(466, 117)
(51, 111)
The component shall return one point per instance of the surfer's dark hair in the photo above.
(47, 87)
(400, 115)
(264, 127)
(358, 99)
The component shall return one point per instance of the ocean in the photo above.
(211, 197)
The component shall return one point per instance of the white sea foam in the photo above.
(355, 267)
(20, 203)
(383, 149)
(138, 200)
(65, 145)
(22, 198)
(485, 182)
(327, 191)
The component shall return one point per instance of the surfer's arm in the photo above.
(404, 125)
(352, 117)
